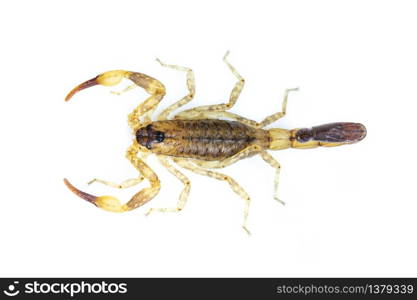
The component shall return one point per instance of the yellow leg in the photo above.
(147, 117)
(184, 194)
(123, 185)
(155, 88)
(190, 86)
(193, 115)
(128, 88)
(274, 117)
(275, 164)
(219, 176)
(113, 204)
(249, 151)
(188, 114)
(234, 95)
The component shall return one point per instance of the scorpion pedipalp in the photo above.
(156, 91)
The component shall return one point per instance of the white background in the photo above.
(351, 211)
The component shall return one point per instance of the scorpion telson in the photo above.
(331, 134)
(201, 139)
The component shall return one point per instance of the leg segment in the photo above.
(275, 164)
(249, 151)
(123, 185)
(194, 115)
(219, 176)
(191, 91)
(234, 95)
(155, 88)
(184, 194)
(189, 114)
(113, 204)
(128, 88)
(274, 117)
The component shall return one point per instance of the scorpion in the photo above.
(201, 139)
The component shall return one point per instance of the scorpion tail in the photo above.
(328, 135)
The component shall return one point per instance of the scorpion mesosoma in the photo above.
(201, 139)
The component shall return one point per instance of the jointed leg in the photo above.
(126, 183)
(233, 184)
(147, 117)
(191, 91)
(275, 164)
(113, 204)
(251, 150)
(123, 185)
(126, 89)
(184, 194)
(274, 117)
(189, 114)
(193, 115)
(234, 95)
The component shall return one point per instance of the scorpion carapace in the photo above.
(202, 138)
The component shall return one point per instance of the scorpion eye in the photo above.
(303, 135)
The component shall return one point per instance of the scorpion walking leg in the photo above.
(190, 115)
(123, 185)
(155, 88)
(184, 194)
(191, 91)
(275, 164)
(126, 89)
(274, 117)
(126, 183)
(234, 95)
(242, 154)
(233, 184)
(229, 115)
(113, 204)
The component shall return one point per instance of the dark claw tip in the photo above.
(90, 198)
(84, 85)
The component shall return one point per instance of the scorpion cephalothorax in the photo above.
(202, 138)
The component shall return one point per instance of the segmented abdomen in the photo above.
(205, 139)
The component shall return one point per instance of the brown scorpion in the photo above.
(201, 139)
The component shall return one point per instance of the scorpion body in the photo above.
(213, 140)
(201, 139)
(205, 139)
